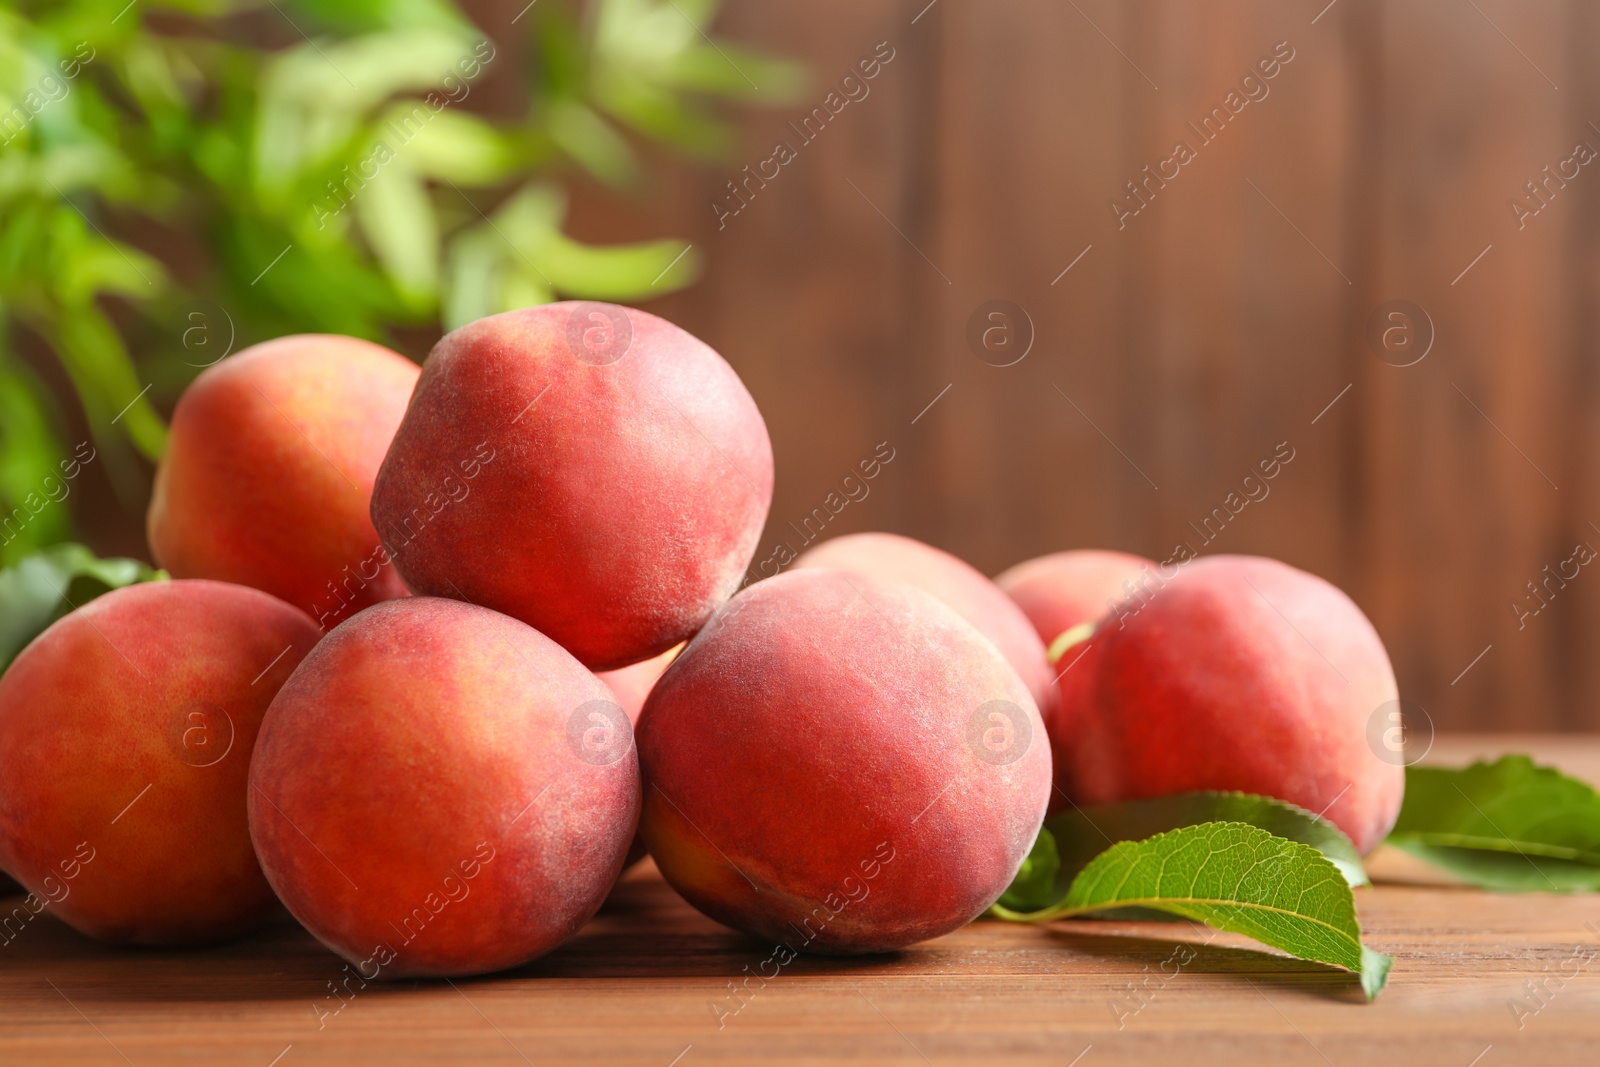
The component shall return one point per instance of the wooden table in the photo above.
(637, 987)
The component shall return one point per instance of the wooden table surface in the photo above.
(638, 985)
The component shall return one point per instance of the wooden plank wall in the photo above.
(1220, 321)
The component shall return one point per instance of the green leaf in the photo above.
(314, 97)
(473, 277)
(92, 351)
(529, 221)
(590, 140)
(661, 114)
(617, 272)
(1510, 825)
(361, 15)
(41, 588)
(29, 455)
(520, 289)
(1235, 877)
(1081, 834)
(735, 71)
(562, 54)
(111, 267)
(453, 146)
(329, 291)
(397, 219)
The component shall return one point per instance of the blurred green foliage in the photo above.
(174, 186)
(38, 590)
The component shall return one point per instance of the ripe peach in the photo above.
(442, 790)
(1063, 589)
(960, 586)
(841, 763)
(1233, 672)
(268, 474)
(126, 730)
(632, 684)
(1067, 589)
(625, 476)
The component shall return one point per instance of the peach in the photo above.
(632, 684)
(1233, 672)
(622, 476)
(126, 730)
(268, 475)
(841, 763)
(960, 586)
(1063, 589)
(442, 790)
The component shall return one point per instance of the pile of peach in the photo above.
(417, 618)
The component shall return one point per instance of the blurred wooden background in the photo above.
(1181, 349)
(1221, 320)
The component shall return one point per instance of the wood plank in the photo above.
(1237, 280)
(1460, 468)
(1037, 455)
(638, 986)
(1574, 668)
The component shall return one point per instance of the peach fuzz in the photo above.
(442, 790)
(960, 586)
(268, 475)
(1063, 589)
(842, 764)
(626, 474)
(1233, 672)
(126, 731)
